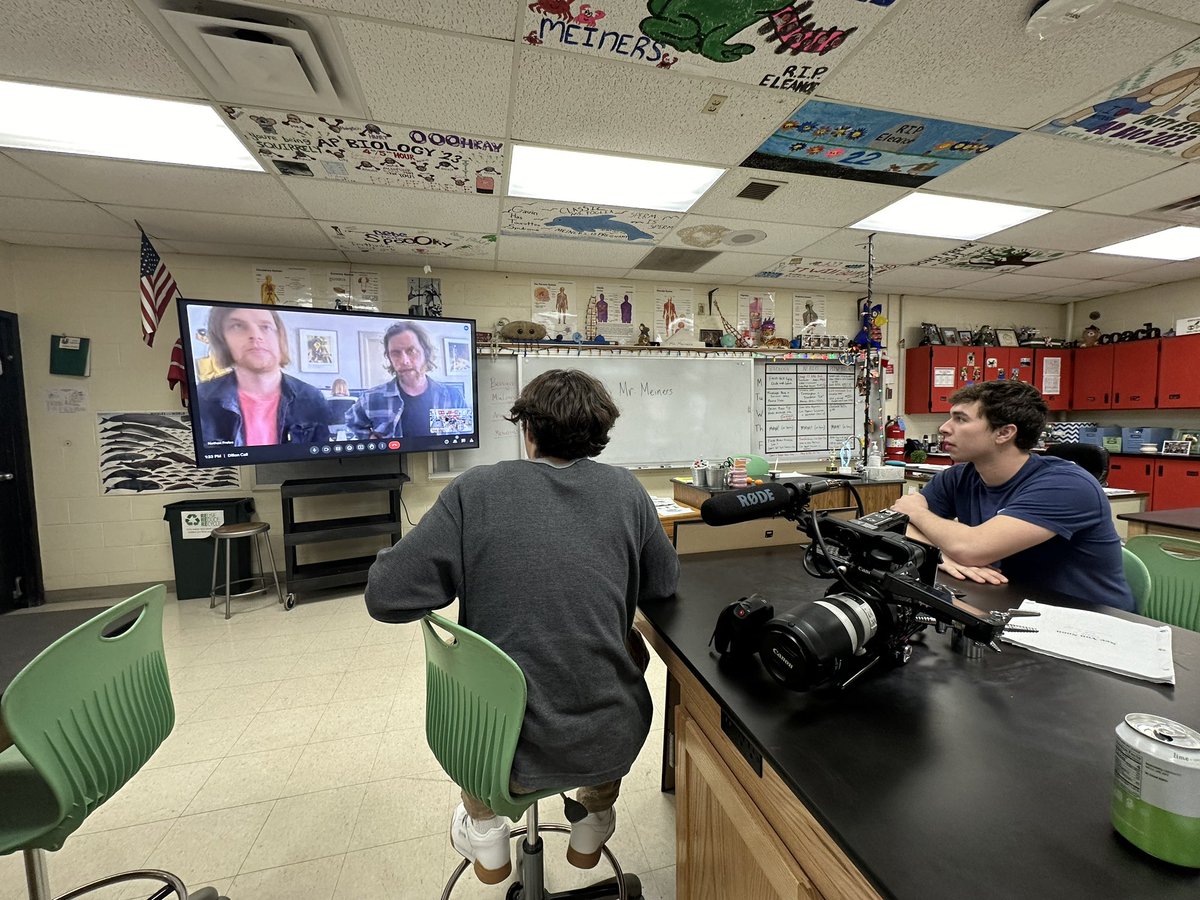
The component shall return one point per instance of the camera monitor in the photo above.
(282, 384)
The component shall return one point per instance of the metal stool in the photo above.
(254, 530)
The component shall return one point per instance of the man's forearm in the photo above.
(953, 538)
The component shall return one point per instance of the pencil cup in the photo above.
(716, 476)
(700, 476)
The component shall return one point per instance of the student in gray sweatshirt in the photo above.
(548, 557)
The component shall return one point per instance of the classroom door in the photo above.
(20, 559)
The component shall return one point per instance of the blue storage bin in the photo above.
(1133, 438)
(1097, 435)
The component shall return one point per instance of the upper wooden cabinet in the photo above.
(1179, 373)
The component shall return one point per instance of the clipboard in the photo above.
(70, 355)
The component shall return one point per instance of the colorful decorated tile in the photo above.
(548, 218)
(404, 241)
(987, 256)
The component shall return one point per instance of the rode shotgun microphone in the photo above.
(770, 499)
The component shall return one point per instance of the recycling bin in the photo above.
(191, 523)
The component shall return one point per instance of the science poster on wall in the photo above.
(1156, 110)
(837, 141)
(753, 310)
(995, 258)
(304, 145)
(808, 314)
(290, 286)
(152, 453)
(410, 241)
(784, 46)
(674, 315)
(614, 312)
(358, 289)
(548, 218)
(555, 306)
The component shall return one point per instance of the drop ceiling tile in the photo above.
(926, 278)
(1068, 230)
(100, 44)
(668, 278)
(572, 100)
(1037, 170)
(17, 180)
(1177, 184)
(535, 269)
(163, 187)
(803, 284)
(59, 217)
(1021, 283)
(566, 251)
(803, 199)
(742, 235)
(1093, 265)
(339, 202)
(429, 80)
(219, 228)
(1187, 10)
(979, 65)
(744, 265)
(889, 249)
(1160, 273)
(1090, 289)
(486, 18)
(82, 241)
(487, 265)
(971, 293)
(266, 253)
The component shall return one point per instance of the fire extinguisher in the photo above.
(893, 440)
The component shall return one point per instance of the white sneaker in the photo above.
(588, 835)
(486, 847)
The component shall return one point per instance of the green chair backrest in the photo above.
(1174, 566)
(89, 710)
(474, 707)
(1137, 576)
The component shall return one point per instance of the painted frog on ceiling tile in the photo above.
(704, 26)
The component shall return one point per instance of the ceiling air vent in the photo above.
(675, 259)
(759, 190)
(1181, 210)
(259, 56)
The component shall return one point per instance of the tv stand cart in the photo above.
(335, 572)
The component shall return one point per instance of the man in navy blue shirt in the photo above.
(1020, 517)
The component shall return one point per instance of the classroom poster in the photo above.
(808, 314)
(674, 315)
(303, 145)
(410, 241)
(995, 258)
(1156, 110)
(614, 312)
(152, 453)
(837, 141)
(555, 305)
(753, 310)
(284, 287)
(785, 46)
(806, 408)
(549, 218)
(357, 289)
(60, 401)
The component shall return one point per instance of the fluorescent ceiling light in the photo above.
(933, 215)
(65, 120)
(575, 177)
(1181, 242)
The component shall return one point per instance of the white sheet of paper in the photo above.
(1099, 640)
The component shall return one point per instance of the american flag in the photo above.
(177, 373)
(158, 290)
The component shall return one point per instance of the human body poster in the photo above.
(304, 145)
(614, 312)
(550, 218)
(838, 141)
(555, 306)
(753, 310)
(284, 287)
(785, 46)
(808, 313)
(358, 289)
(1157, 110)
(674, 315)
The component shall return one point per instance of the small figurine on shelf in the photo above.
(643, 336)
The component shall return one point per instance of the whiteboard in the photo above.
(498, 438)
(673, 410)
(805, 407)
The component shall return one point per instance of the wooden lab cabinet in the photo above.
(1116, 376)
(1052, 375)
(1179, 372)
(1171, 483)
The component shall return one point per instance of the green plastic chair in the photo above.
(474, 707)
(1137, 576)
(84, 716)
(1174, 567)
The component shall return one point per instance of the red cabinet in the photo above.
(1092, 387)
(1052, 375)
(1135, 374)
(1176, 484)
(1006, 363)
(931, 375)
(1133, 473)
(1179, 373)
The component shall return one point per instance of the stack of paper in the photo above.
(1099, 640)
(666, 507)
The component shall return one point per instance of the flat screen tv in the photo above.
(281, 384)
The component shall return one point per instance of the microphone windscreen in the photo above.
(732, 507)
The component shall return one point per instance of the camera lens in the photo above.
(808, 646)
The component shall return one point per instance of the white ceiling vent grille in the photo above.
(260, 56)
